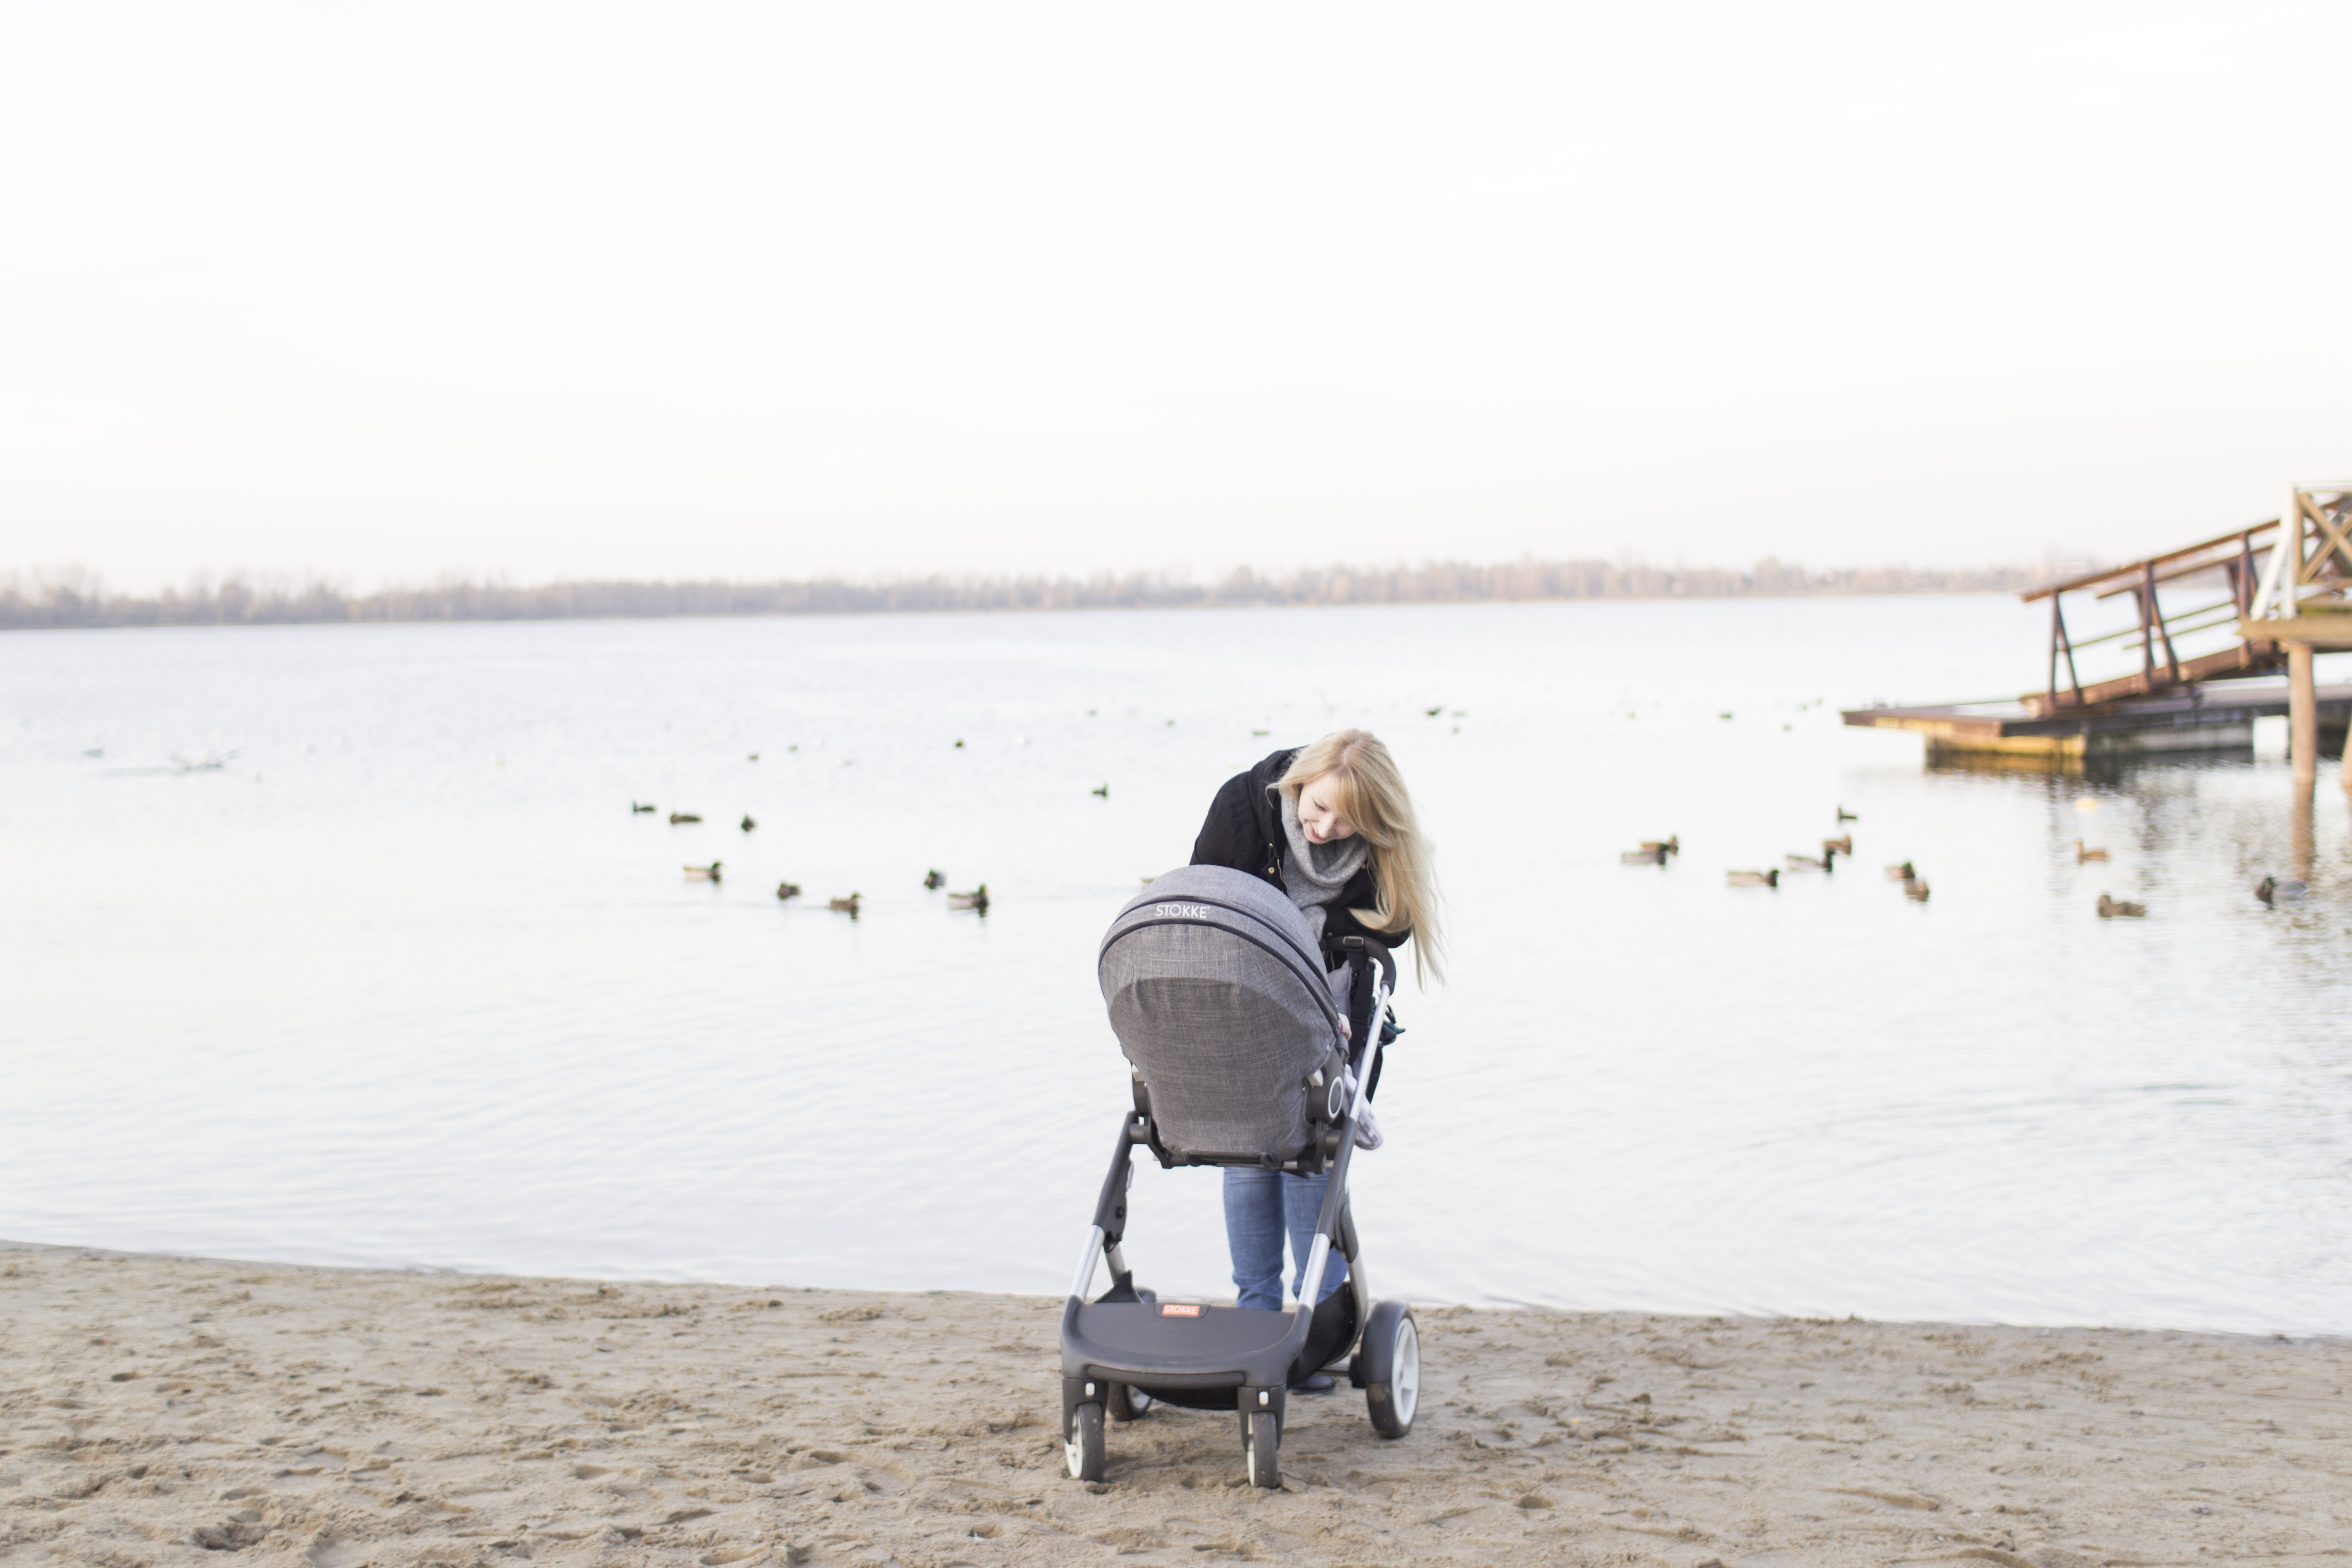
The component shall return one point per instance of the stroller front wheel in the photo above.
(1389, 1368)
(1125, 1402)
(1082, 1448)
(1263, 1447)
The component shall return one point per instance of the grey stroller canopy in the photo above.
(1236, 1034)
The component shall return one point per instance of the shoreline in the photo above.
(160, 1409)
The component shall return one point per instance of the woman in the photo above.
(1332, 826)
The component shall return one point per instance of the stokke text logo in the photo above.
(1178, 1310)
(1189, 911)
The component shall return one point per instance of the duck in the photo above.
(1755, 878)
(1647, 855)
(1903, 873)
(703, 873)
(637, 807)
(676, 817)
(754, 757)
(1669, 846)
(748, 822)
(1845, 815)
(935, 879)
(958, 746)
(976, 899)
(787, 890)
(1828, 862)
(1102, 790)
(2081, 855)
(1261, 731)
(2109, 908)
(847, 906)
(1434, 712)
(1916, 890)
(2270, 889)
(1843, 846)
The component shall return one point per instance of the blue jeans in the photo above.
(1260, 1205)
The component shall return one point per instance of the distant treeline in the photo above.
(78, 599)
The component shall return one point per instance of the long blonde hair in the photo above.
(1372, 799)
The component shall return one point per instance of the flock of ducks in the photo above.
(934, 879)
(1660, 851)
(2271, 891)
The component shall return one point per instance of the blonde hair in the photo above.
(1372, 799)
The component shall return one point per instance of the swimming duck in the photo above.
(677, 816)
(1916, 890)
(1843, 846)
(1102, 790)
(754, 757)
(1648, 855)
(1845, 815)
(787, 890)
(1903, 873)
(2110, 909)
(1755, 878)
(640, 805)
(976, 899)
(748, 822)
(847, 906)
(2270, 889)
(2080, 853)
(1669, 846)
(1828, 862)
(703, 873)
(1436, 710)
(935, 879)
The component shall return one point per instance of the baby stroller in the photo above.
(1245, 1051)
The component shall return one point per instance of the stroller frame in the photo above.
(1127, 1350)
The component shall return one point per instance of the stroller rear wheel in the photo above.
(1262, 1447)
(1082, 1447)
(1125, 1402)
(1389, 1368)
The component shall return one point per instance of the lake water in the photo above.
(406, 982)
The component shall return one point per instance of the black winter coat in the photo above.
(1244, 830)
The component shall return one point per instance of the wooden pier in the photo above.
(2285, 591)
(2204, 718)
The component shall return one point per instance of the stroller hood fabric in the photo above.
(1218, 994)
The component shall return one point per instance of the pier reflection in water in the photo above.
(406, 981)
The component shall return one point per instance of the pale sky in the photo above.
(388, 292)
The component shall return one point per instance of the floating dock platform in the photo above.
(2219, 716)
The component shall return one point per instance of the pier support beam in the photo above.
(2302, 713)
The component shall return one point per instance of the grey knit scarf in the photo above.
(1313, 874)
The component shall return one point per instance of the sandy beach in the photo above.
(159, 1410)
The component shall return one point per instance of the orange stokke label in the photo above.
(1178, 1310)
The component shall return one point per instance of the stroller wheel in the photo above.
(1389, 1368)
(1125, 1402)
(1262, 1447)
(1082, 1448)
